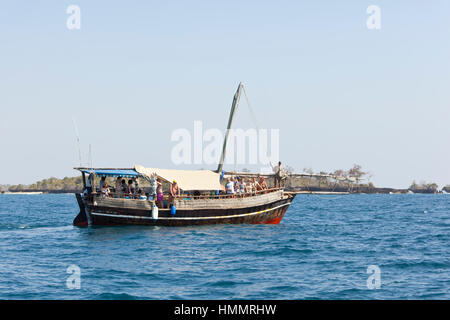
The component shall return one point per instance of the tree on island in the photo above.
(339, 173)
(423, 187)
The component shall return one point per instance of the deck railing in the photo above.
(187, 196)
(227, 195)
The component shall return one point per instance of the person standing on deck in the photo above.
(123, 186)
(118, 187)
(263, 183)
(236, 183)
(256, 185)
(249, 186)
(90, 183)
(229, 187)
(153, 186)
(130, 189)
(242, 186)
(159, 193)
(174, 189)
(278, 171)
(137, 188)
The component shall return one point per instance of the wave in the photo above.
(118, 296)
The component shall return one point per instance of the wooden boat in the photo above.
(200, 203)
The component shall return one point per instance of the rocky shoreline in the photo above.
(359, 189)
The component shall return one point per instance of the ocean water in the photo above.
(321, 250)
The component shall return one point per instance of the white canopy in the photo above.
(186, 179)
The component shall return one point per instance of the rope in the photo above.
(251, 110)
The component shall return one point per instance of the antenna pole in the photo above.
(78, 140)
(90, 156)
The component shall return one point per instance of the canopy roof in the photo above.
(125, 173)
(200, 180)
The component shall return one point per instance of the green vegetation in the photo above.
(66, 184)
(51, 184)
(339, 179)
(423, 187)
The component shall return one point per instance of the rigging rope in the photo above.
(251, 110)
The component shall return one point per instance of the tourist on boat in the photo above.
(174, 189)
(242, 186)
(102, 182)
(229, 187)
(124, 187)
(263, 183)
(105, 189)
(159, 193)
(130, 188)
(153, 186)
(278, 171)
(256, 186)
(137, 188)
(142, 195)
(236, 183)
(249, 186)
(90, 183)
(118, 187)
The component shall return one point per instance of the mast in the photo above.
(234, 106)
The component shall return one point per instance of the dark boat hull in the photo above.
(270, 213)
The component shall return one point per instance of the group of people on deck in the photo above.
(243, 186)
(122, 188)
(131, 190)
(156, 190)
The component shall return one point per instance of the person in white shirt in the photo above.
(105, 189)
(90, 183)
(229, 187)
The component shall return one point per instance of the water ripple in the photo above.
(321, 250)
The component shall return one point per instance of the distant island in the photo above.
(50, 185)
(349, 181)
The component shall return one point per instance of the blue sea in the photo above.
(321, 250)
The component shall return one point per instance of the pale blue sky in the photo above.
(340, 93)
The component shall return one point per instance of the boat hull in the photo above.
(270, 213)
